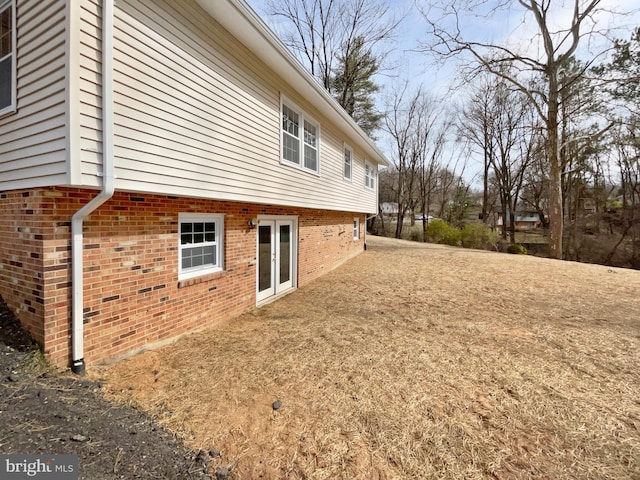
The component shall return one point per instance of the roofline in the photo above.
(244, 23)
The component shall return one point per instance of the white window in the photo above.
(300, 138)
(356, 228)
(7, 56)
(348, 162)
(201, 238)
(369, 176)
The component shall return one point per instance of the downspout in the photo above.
(108, 188)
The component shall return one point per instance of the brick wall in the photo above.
(132, 296)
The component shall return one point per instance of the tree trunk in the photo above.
(485, 181)
(555, 180)
(505, 214)
(512, 222)
(399, 221)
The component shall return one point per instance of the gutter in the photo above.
(108, 189)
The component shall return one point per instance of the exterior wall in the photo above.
(132, 294)
(33, 149)
(34, 260)
(198, 114)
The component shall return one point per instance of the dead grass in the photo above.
(414, 362)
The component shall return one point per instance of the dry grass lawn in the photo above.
(413, 361)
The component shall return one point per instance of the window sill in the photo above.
(297, 166)
(207, 277)
(8, 111)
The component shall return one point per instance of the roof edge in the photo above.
(246, 25)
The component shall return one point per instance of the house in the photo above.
(525, 220)
(389, 209)
(165, 165)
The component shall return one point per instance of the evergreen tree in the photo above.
(353, 85)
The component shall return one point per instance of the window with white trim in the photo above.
(369, 176)
(7, 56)
(348, 162)
(300, 138)
(356, 228)
(201, 239)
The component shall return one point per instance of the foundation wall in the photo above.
(132, 295)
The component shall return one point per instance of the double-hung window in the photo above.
(356, 228)
(7, 56)
(201, 244)
(348, 162)
(369, 176)
(300, 138)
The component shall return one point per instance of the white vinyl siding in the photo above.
(196, 113)
(201, 244)
(33, 143)
(89, 93)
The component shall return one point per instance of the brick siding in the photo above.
(132, 296)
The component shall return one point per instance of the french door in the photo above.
(277, 251)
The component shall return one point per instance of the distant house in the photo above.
(589, 206)
(389, 209)
(527, 220)
(164, 166)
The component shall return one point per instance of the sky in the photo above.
(506, 27)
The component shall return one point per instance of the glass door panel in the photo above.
(265, 258)
(284, 253)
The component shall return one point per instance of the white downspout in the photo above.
(108, 188)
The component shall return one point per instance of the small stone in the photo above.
(79, 438)
(202, 458)
(276, 405)
(213, 453)
(222, 473)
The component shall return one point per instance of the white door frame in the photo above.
(276, 289)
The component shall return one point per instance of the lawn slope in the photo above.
(413, 361)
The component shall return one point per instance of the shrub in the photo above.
(478, 235)
(517, 249)
(440, 231)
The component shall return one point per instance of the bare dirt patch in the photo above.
(413, 361)
(43, 411)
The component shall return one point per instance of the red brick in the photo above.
(131, 260)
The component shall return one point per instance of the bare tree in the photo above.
(557, 47)
(475, 126)
(313, 38)
(341, 43)
(497, 119)
(399, 123)
(417, 127)
(536, 182)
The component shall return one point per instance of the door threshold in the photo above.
(273, 298)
